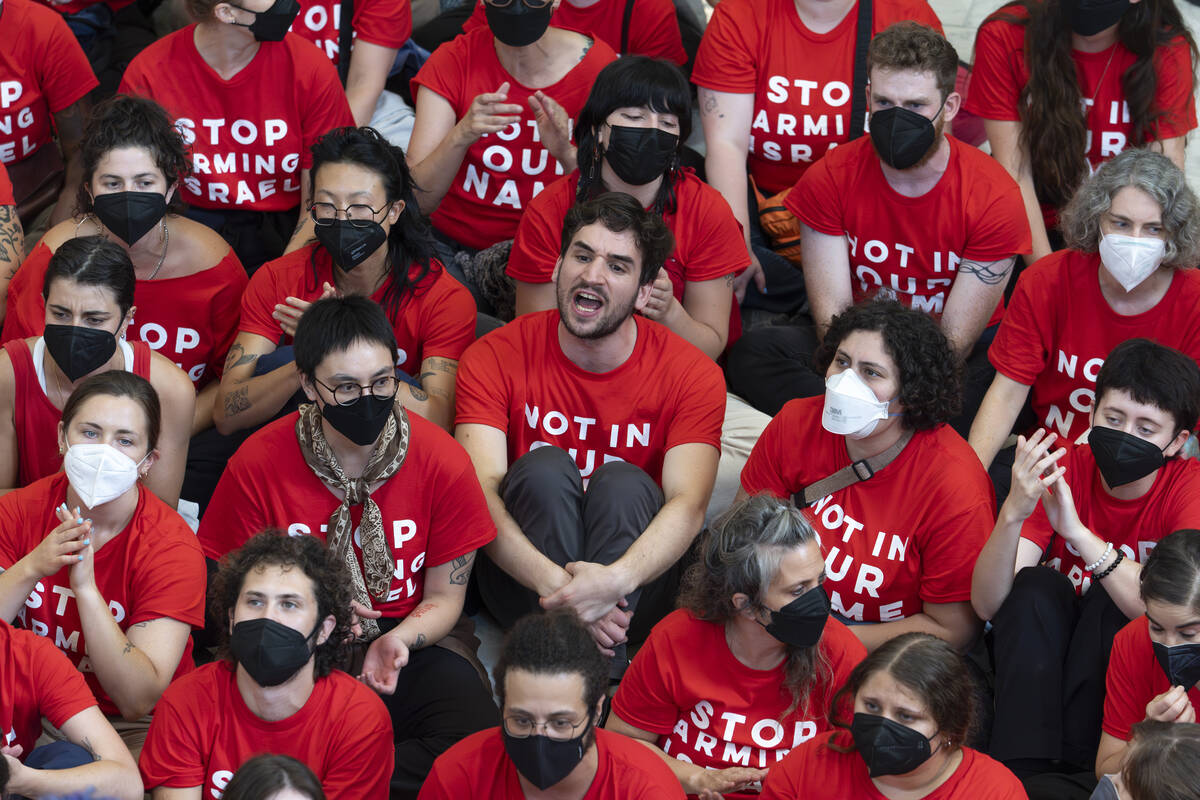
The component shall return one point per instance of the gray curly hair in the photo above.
(1157, 176)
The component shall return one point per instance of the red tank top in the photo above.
(35, 419)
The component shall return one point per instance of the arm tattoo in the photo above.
(11, 250)
(460, 569)
(419, 642)
(87, 745)
(729, 279)
(418, 393)
(128, 648)
(586, 47)
(236, 401)
(238, 356)
(990, 274)
(443, 365)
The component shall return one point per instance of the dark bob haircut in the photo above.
(1156, 375)
(119, 383)
(553, 643)
(93, 261)
(336, 323)
(264, 775)
(619, 212)
(930, 375)
(273, 548)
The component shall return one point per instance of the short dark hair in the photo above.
(127, 120)
(552, 643)
(93, 261)
(930, 374)
(1171, 573)
(268, 773)
(632, 81)
(619, 212)
(336, 323)
(1162, 761)
(928, 667)
(119, 383)
(912, 46)
(1156, 375)
(331, 587)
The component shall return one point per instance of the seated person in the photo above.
(371, 241)
(1154, 670)
(908, 212)
(189, 282)
(1090, 514)
(1162, 761)
(899, 501)
(286, 605)
(273, 777)
(551, 681)
(912, 701)
(40, 681)
(752, 603)
(493, 121)
(546, 405)
(354, 469)
(12, 236)
(96, 562)
(88, 294)
(1133, 233)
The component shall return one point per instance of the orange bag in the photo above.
(780, 225)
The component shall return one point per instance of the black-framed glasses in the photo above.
(561, 728)
(359, 215)
(507, 3)
(348, 392)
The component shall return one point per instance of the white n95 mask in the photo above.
(851, 408)
(1131, 259)
(99, 472)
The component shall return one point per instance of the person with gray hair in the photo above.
(1133, 237)
(753, 605)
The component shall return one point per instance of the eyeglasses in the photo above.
(358, 215)
(507, 3)
(561, 728)
(348, 392)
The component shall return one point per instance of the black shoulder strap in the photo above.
(858, 94)
(346, 38)
(625, 27)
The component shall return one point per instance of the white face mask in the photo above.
(1131, 259)
(851, 408)
(99, 472)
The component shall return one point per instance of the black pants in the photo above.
(1051, 651)
(785, 292)
(544, 494)
(255, 236)
(439, 700)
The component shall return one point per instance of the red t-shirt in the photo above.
(436, 317)
(191, 320)
(801, 81)
(1136, 526)
(1134, 679)
(42, 71)
(478, 766)
(267, 485)
(387, 23)
(151, 569)
(35, 681)
(500, 172)
(203, 731)
(722, 713)
(1058, 329)
(6, 188)
(35, 419)
(910, 247)
(250, 135)
(517, 379)
(708, 239)
(653, 29)
(815, 772)
(908, 535)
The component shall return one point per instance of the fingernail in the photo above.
(81, 558)
(79, 520)
(86, 542)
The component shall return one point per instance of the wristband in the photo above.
(1092, 566)
(1120, 557)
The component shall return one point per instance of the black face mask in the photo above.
(542, 760)
(363, 420)
(1181, 663)
(130, 215)
(1089, 17)
(801, 621)
(1122, 457)
(887, 747)
(272, 25)
(78, 350)
(639, 155)
(518, 25)
(901, 137)
(349, 245)
(270, 651)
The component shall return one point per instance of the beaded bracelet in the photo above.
(1111, 567)
(1092, 566)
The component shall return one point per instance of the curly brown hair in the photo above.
(272, 547)
(930, 373)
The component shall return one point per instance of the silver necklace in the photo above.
(166, 237)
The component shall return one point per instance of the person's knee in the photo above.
(1038, 590)
(1033, 626)
(544, 470)
(621, 484)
